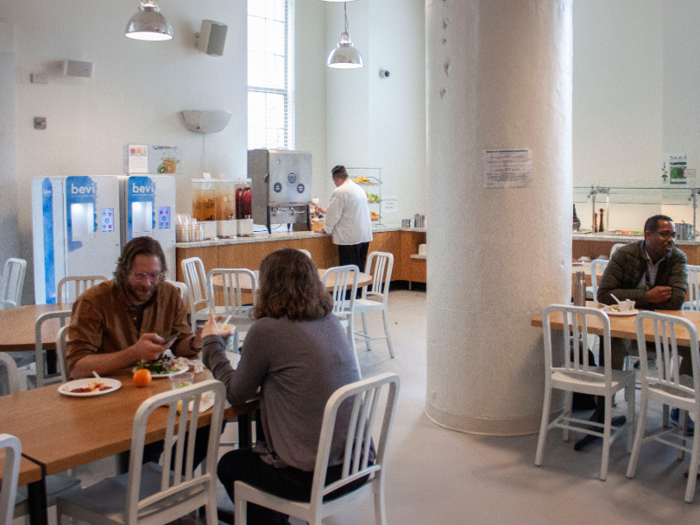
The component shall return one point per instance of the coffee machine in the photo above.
(281, 187)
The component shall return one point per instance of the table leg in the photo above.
(38, 512)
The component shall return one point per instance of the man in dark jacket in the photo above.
(653, 274)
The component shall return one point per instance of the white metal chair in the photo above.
(41, 378)
(668, 388)
(305, 252)
(233, 297)
(365, 400)
(181, 287)
(616, 247)
(70, 288)
(150, 494)
(584, 378)
(10, 475)
(196, 281)
(12, 283)
(56, 484)
(595, 265)
(693, 288)
(380, 265)
(344, 299)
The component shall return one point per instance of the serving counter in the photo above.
(248, 252)
(594, 244)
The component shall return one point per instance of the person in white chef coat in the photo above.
(348, 219)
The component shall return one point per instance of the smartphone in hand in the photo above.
(169, 340)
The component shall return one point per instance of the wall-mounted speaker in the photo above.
(212, 38)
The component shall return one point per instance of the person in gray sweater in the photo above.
(298, 354)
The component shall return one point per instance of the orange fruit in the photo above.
(142, 377)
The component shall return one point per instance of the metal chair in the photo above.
(182, 288)
(56, 484)
(10, 475)
(668, 388)
(305, 252)
(12, 283)
(150, 494)
(75, 285)
(233, 297)
(380, 265)
(42, 378)
(693, 289)
(196, 280)
(365, 400)
(573, 376)
(595, 264)
(344, 299)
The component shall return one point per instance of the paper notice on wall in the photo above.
(137, 158)
(509, 168)
(673, 169)
(141, 158)
(390, 204)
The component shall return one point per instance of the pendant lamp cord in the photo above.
(345, 9)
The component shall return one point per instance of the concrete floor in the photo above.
(440, 476)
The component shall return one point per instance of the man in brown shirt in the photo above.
(114, 324)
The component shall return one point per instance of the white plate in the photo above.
(177, 370)
(613, 313)
(66, 388)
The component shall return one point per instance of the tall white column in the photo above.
(499, 78)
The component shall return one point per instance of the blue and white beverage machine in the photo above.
(147, 209)
(75, 230)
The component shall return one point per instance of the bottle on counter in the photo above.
(580, 289)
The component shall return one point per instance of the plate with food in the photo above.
(614, 310)
(90, 387)
(165, 366)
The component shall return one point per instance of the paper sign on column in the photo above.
(510, 168)
(137, 158)
(142, 158)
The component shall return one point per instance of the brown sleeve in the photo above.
(85, 332)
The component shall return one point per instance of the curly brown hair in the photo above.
(138, 246)
(290, 287)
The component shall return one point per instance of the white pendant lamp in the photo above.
(345, 56)
(149, 23)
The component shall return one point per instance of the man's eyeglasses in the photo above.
(666, 235)
(153, 277)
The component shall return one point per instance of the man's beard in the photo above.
(140, 292)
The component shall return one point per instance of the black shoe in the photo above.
(675, 415)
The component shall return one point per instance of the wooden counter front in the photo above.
(402, 244)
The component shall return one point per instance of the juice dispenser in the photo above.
(204, 205)
(244, 207)
(225, 207)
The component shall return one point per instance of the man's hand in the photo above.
(148, 347)
(659, 294)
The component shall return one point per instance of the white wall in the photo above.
(135, 96)
(9, 231)
(375, 122)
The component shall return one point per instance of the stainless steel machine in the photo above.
(281, 185)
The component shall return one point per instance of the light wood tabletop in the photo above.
(29, 472)
(60, 432)
(17, 327)
(625, 327)
(364, 279)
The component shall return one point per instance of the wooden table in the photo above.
(364, 279)
(60, 432)
(17, 327)
(29, 472)
(625, 327)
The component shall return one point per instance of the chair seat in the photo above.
(367, 305)
(107, 499)
(56, 485)
(571, 380)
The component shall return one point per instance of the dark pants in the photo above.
(353, 254)
(288, 482)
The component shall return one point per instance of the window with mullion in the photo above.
(269, 122)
